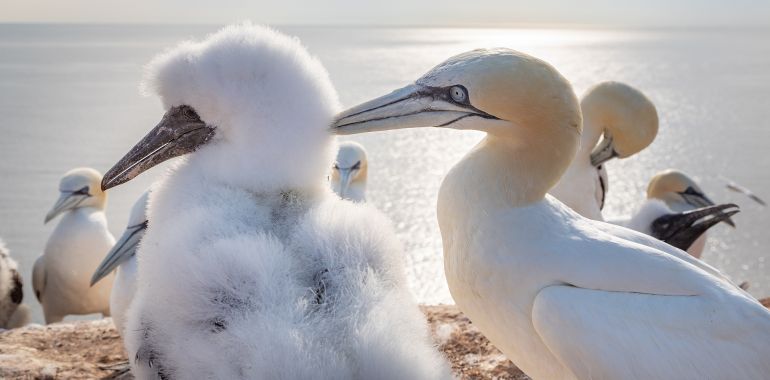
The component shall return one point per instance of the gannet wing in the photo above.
(623, 335)
(603, 186)
(647, 240)
(38, 277)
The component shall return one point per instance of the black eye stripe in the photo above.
(82, 191)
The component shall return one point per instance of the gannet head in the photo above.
(628, 120)
(126, 246)
(78, 188)
(251, 103)
(350, 168)
(508, 94)
(674, 187)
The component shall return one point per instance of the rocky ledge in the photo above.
(94, 350)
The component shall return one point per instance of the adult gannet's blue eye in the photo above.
(458, 94)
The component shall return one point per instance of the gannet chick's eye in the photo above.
(459, 94)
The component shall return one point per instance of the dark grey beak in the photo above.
(697, 199)
(682, 229)
(181, 131)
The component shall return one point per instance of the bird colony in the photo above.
(256, 256)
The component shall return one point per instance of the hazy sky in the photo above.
(396, 12)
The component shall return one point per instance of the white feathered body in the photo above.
(10, 288)
(566, 297)
(123, 290)
(61, 275)
(239, 285)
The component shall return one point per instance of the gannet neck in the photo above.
(505, 171)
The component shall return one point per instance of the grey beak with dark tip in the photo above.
(682, 229)
(68, 200)
(123, 250)
(413, 106)
(180, 131)
(604, 151)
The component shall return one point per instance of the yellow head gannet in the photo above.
(122, 257)
(563, 296)
(61, 275)
(251, 268)
(12, 313)
(627, 122)
(350, 171)
(674, 206)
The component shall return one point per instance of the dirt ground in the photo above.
(94, 350)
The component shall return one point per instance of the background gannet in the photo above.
(627, 122)
(349, 172)
(251, 267)
(12, 313)
(563, 296)
(734, 186)
(681, 193)
(61, 275)
(122, 257)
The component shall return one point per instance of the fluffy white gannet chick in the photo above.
(251, 268)
(350, 171)
(563, 296)
(627, 122)
(12, 313)
(670, 212)
(60, 276)
(122, 259)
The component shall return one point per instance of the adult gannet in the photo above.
(12, 313)
(350, 171)
(563, 296)
(122, 257)
(60, 276)
(669, 212)
(627, 122)
(251, 268)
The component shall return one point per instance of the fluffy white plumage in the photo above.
(12, 313)
(272, 276)
(628, 122)
(61, 275)
(563, 296)
(350, 171)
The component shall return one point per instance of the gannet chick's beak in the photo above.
(181, 131)
(123, 250)
(682, 229)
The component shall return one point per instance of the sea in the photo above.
(69, 97)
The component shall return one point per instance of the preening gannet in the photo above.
(627, 122)
(12, 313)
(563, 296)
(350, 171)
(122, 257)
(251, 268)
(61, 275)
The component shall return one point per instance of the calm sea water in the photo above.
(69, 97)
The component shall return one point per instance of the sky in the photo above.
(611, 13)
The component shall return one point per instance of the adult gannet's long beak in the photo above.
(346, 176)
(682, 229)
(410, 107)
(604, 151)
(68, 200)
(180, 131)
(121, 251)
